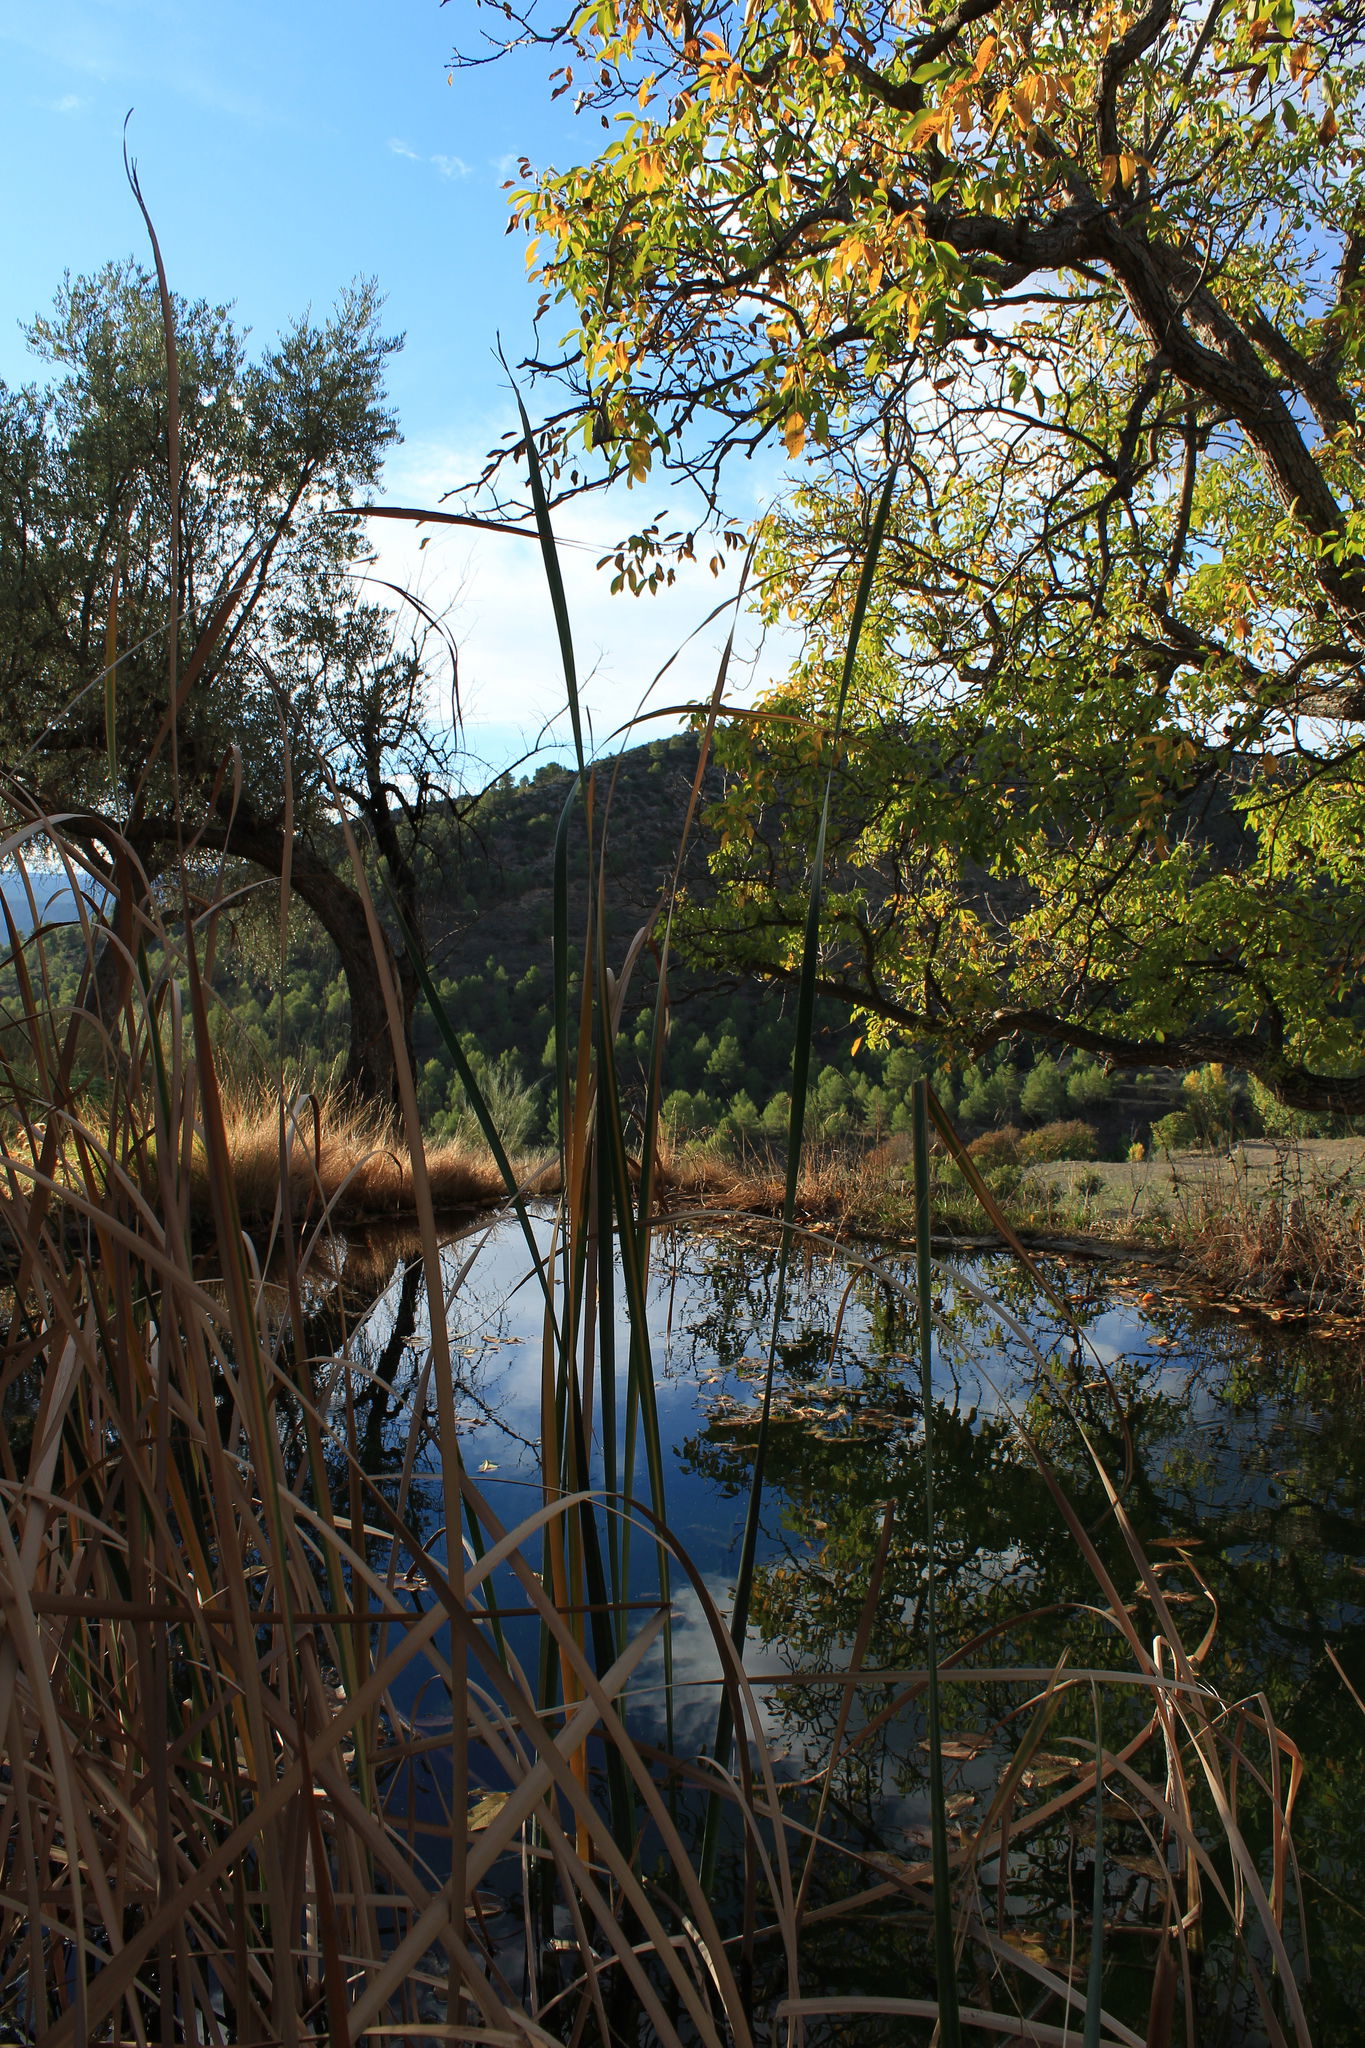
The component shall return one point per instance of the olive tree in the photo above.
(187, 653)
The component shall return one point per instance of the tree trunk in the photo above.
(371, 1065)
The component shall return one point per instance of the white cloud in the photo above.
(142, 43)
(492, 587)
(448, 166)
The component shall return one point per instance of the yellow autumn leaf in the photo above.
(485, 1811)
(847, 257)
(931, 126)
(983, 58)
(794, 433)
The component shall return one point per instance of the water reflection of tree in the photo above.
(1245, 1480)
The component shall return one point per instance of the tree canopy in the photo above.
(1093, 279)
(187, 650)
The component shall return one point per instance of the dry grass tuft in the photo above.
(843, 1185)
(306, 1157)
(350, 1161)
(1298, 1238)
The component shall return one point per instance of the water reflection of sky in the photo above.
(1249, 1459)
(708, 1325)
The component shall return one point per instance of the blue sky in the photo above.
(285, 149)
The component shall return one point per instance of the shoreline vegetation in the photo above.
(1272, 1228)
(211, 1671)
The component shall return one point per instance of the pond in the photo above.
(1239, 1455)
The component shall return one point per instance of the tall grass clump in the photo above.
(296, 1749)
(1296, 1234)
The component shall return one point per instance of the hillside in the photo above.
(487, 883)
(488, 887)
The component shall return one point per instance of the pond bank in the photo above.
(1275, 1231)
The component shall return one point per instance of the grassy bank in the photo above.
(1274, 1225)
(1278, 1226)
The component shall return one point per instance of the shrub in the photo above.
(678, 1115)
(1279, 1121)
(1177, 1132)
(997, 1148)
(1067, 1139)
(741, 1121)
(514, 1107)
(1137, 1152)
(1210, 1102)
(725, 1066)
(777, 1115)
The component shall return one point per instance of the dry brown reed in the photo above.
(1295, 1236)
(347, 1160)
(216, 1624)
(846, 1184)
(274, 1769)
(306, 1157)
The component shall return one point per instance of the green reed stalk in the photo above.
(596, 1201)
(801, 1058)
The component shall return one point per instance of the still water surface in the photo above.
(1244, 1452)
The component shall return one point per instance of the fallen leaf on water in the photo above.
(485, 1811)
(897, 1867)
(1043, 1775)
(959, 1747)
(488, 1466)
(1028, 1945)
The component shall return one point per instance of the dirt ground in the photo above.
(1133, 1191)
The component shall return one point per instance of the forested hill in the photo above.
(487, 887)
(491, 897)
(487, 884)
(490, 928)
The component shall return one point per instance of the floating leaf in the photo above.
(485, 1811)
